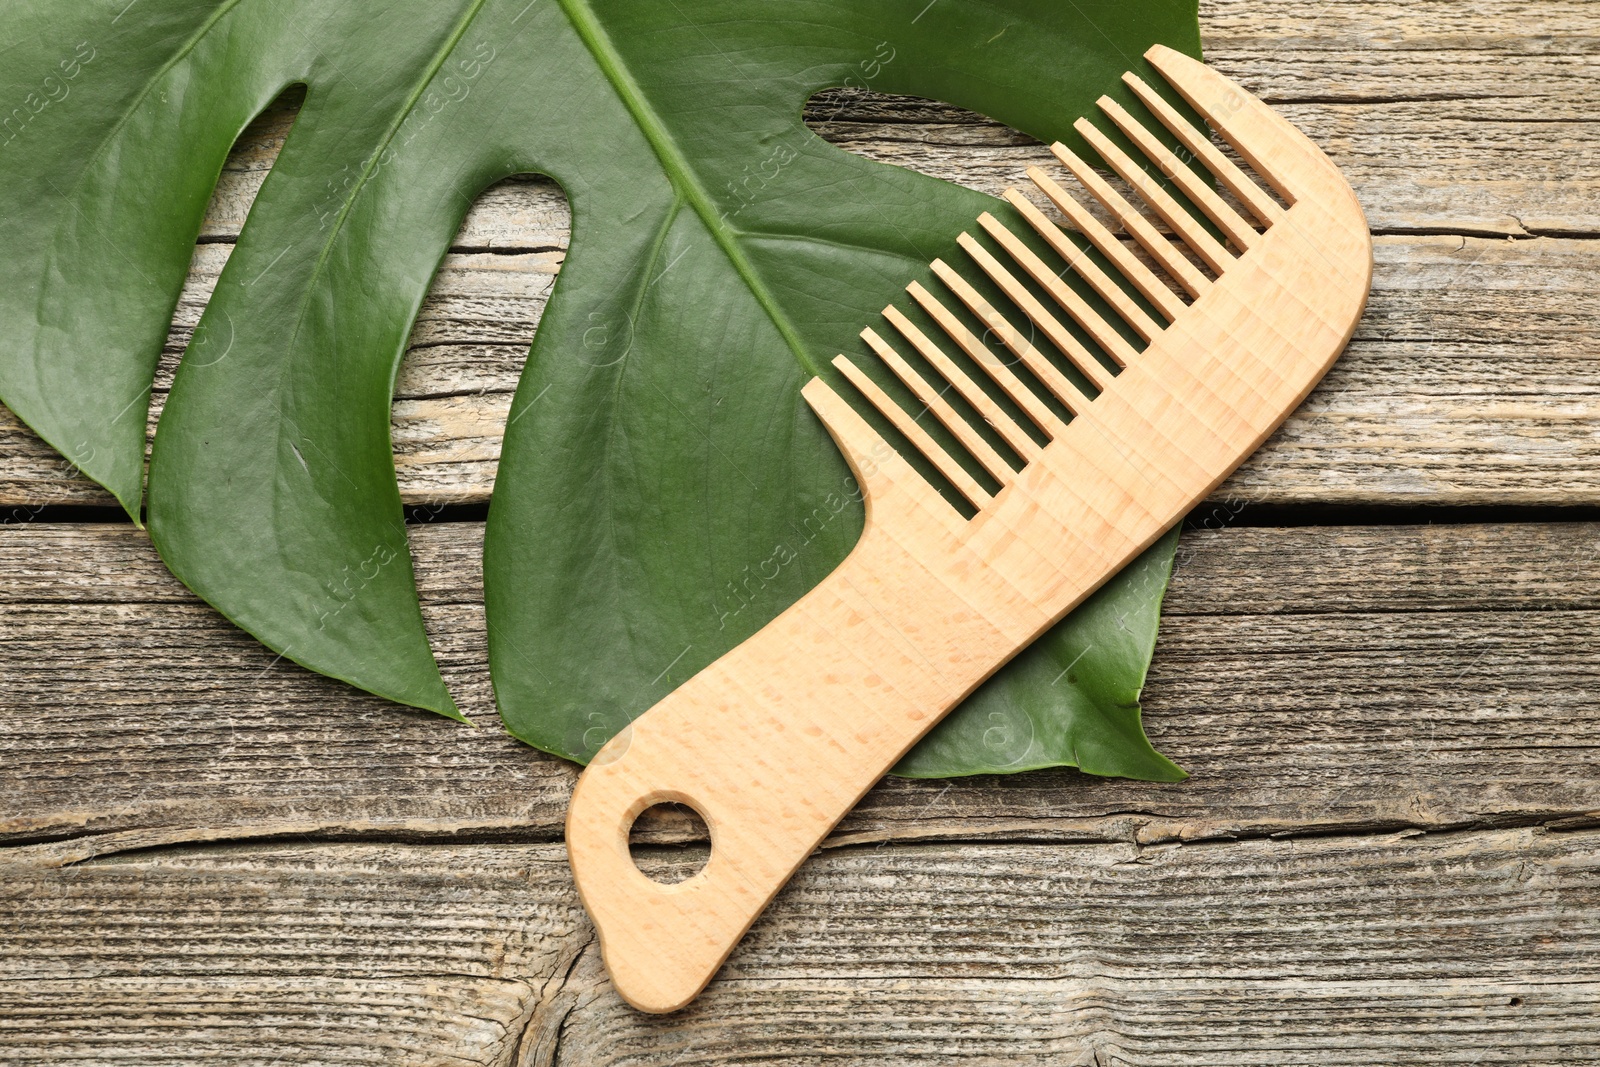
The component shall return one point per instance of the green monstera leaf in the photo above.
(1070, 700)
(663, 491)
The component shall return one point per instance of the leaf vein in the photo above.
(679, 172)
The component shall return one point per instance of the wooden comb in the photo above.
(773, 743)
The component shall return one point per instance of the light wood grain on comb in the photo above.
(947, 415)
(778, 739)
(1143, 278)
(980, 354)
(1059, 385)
(1085, 267)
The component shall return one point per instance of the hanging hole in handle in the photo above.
(669, 842)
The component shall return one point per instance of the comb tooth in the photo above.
(1080, 356)
(969, 438)
(1239, 118)
(1240, 232)
(1183, 224)
(980, 352)
(953, 472)
(1087, 269)
(1137, 225)
(1007, 427)
(1238, 182)
(1152, 288)
(1076, 400)
(1104, 334)
(878, 467)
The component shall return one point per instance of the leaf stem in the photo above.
(678, 170)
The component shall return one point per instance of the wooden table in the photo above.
(1379, 660)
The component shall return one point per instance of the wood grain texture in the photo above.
(1310, 680)
(1442, 949)
(1472, 379)
(1315, 681)
(777, 740)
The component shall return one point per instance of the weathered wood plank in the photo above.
(1450, 117)
(1457, 948)
(1313, 680)
(468, 347)
(271, 1022)
(1472, 380)
(1310, 679)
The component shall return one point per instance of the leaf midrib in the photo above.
(678, 169)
